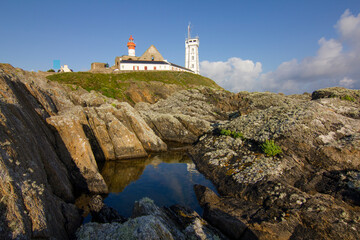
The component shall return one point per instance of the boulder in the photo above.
(102, 213)
(152, 222)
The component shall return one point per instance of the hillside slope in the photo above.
(135, 87)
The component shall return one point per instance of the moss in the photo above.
(270, 148)
(233, 134)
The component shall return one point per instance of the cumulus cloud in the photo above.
(331, 66)
(235, 74)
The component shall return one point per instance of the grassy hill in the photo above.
(134, 86)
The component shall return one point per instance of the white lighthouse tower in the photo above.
(192, 53)
(131, 46)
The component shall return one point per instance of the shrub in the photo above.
(51, 70)
(225, 132)
(270, 148)
(348, 98)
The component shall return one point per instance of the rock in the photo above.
(185, 115)
(214, 214)
(36, 185)
(145, 227)
(52, 139)
(337, 92)
(314, 177)
(102, 213)
(133, 121)
(151, 222)
(101, 134)
(70, 128)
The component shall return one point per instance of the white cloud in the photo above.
(331, 66)
(235, 74)
(347, 82)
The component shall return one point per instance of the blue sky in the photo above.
(244, 45)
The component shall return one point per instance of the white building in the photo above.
(151, 60)
(192, 53)
(65, 68)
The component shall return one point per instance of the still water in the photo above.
(167, 178)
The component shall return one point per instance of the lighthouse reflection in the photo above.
(167, 178)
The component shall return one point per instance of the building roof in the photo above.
(146, 62)
(155, 62)
(172, 64)
(152, 54)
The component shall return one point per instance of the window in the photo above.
(192, 65)
(152, 58)
(192, 50)
(134, 68)
(154, 68)
(192, 58)
(145, 68)
(137, 67)
(122, 66)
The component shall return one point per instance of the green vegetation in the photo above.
(232, 133)
(114, 85)
(51, 70)
(270, 148)
(348, 98)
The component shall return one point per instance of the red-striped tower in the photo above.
(131, 46)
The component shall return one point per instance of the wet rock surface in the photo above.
(309, 191)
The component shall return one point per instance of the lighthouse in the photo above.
(131, 47)
(192, 53)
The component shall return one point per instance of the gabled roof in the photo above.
(151, 54)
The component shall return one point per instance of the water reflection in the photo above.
(167, 178)
(119, 174)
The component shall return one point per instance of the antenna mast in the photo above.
(189, 30)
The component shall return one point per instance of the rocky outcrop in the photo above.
(188, 114)
(53, 136)
(151, 222)
(37, 185)
(308, 191)
(52, 139)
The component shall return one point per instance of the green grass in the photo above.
(114, 85)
